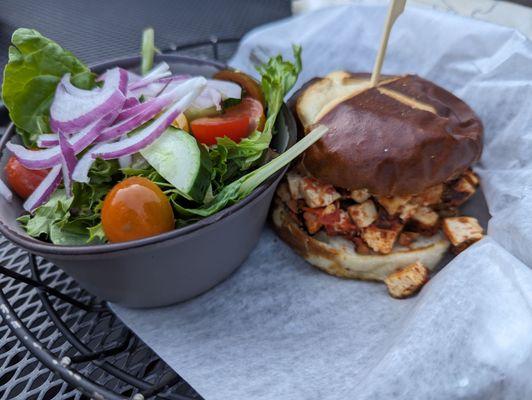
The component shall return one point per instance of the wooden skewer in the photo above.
(396, 8)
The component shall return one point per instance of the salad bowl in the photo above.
(169, 267)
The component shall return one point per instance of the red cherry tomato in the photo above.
(236, 122)
(136, 208)
(22, 180)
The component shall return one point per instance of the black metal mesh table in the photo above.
(86, 347)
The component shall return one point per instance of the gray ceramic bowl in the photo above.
(171, 267)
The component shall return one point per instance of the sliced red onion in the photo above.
(148, 135)
(143, 112)
(124, 80)
(159, 87)
(44, 190)
(71, 113)
(47, 158)
(141, 139)
(81, 172)
(68, 162)
(47, 140)
(215, 92)
(228, 90)
(160, 71)
(5, 192)
(130, 102)
(208, 98)
(38, 159)
(81, 140)
(131, 76)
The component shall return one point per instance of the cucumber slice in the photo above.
(182, 161)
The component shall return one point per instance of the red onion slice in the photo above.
(5, 192)
(44, 190)
(208, 98)
(148, 135)
(47, 158)
(134, 117)
(130, 102)
(68, 162)
(215, 92)
(160, 71)
(38, 159)
(47, 140)
(141, 139)
(228, 90)
(71, 113)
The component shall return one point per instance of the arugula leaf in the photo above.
(54, 210)
(96, 234)
(228, 157)
(75, 220)
(36, 65)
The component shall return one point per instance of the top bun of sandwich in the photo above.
(399, 138)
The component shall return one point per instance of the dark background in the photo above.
(97, 30)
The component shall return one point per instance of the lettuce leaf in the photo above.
(36, 65)
(74, 220)
(231, 159)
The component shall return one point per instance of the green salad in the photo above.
(119, 156)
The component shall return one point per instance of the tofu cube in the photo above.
(339, 223)
(360, 246)
(429, 197)
(471, 177)
(407, 211)
(360, 195)
(393, 204)
(460, 192)
(407, 281)
(407, 238)
(317, 194)
(465, 186)
(294, 184)
(363, 214)
(462, 231)
(425, 218)
(312, 222)
(381, 240)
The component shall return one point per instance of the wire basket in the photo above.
(59, 342)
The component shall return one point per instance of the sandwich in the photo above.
(378, 197)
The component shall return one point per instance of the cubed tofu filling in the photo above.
(376, 224)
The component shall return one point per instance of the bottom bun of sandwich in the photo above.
(337, 256)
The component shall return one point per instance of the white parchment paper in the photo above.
(279, 329)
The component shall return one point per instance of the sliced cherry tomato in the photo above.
(21, 179)
(249, 84)
(236, 122)
(136, 208)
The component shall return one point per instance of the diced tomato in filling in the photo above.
(335, 221)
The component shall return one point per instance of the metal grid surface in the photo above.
(23, 377)
(99, 30)
(83, 336)
(90, 342)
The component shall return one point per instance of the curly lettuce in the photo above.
(231, 159)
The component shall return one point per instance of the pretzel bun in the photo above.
(399, 138)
